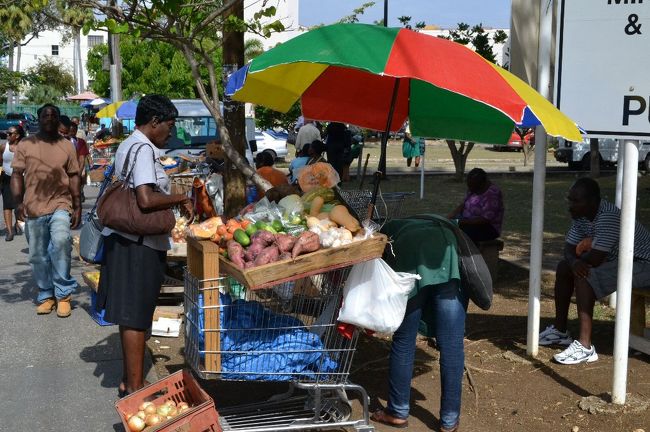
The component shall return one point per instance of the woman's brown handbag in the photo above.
(118, 208)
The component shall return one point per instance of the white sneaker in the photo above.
(552, 336)
(576, 353)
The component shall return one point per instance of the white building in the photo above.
(50, 44)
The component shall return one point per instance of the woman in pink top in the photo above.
(480, 215)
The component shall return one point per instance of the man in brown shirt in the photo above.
(46, 181)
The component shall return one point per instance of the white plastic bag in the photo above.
(375, 296)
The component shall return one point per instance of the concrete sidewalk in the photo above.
(56, 374)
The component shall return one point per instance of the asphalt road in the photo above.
(56, 374)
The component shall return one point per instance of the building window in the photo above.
(95, 40)
(55, 50)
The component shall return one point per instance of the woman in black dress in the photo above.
(133, 268)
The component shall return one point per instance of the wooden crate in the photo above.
(321, 261)
(203, 264)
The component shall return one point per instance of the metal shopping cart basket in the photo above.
(286, 332)
(389, 205)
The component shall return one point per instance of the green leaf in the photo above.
(110, 25)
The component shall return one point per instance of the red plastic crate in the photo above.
(180, 386)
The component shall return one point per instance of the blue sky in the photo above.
(444, 13)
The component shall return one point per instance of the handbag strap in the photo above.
(126, 176)
(108, 179)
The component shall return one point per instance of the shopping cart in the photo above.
(284, 333)
(389, 205)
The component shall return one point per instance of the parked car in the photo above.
(271, 142)
(195, 127)
(515, 142)
(26, 120)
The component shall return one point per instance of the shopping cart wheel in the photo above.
(335, 411)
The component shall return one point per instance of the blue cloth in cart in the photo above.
(267, 346)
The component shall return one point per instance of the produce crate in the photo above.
(180, 386)
(321, 261)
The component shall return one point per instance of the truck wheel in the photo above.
(585, 164)
(574, 166)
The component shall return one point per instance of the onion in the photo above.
(150, 409)
(163, 410)
(143, 405)
(182, 406)
(141, 414)
(170, 402)
(172, 412)
(152, 419)
(135, 424)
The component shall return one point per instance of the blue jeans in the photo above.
(50, 246)
(449, 304)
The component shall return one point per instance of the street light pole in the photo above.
(385, 13)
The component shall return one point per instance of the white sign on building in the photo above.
(603, 59)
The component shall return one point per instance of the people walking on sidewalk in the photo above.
(14, 135)
(45, 180)
(134, 265)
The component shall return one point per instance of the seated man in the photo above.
(590, 268)
(264, 164)
(480, 214)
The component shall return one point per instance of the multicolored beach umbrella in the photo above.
(369, 75)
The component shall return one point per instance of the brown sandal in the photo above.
(380, 416)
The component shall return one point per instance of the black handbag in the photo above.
(118, 207)
(475, 276)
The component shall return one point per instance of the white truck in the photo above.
(578, 154)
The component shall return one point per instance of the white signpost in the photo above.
(602, 66)
(602, 83)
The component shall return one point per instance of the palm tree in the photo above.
(252, 48)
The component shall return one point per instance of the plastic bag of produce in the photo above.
(317, 175)
(375, 296)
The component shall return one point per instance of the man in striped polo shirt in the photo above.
(590, 268)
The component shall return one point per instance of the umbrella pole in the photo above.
(381, 170)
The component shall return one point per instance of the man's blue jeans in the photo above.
(449, 304)
(50, 246)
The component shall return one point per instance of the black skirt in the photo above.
(130, 281)
(7, 197)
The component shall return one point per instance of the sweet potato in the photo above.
(285, 242)
(307, 242)
(236, 253)
(254, 249)
(268, 255)
(264, 237)
(284, 256)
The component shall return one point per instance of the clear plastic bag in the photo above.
(375, 296)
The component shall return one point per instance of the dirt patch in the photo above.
(504, 389)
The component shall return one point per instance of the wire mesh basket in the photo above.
(284, 333)
(389, 205)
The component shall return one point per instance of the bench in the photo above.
(490, 251)
(639, 334)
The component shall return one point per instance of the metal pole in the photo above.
(620, 162)
(539, 179)
(625, 265)
(385, 13)
(422, 173)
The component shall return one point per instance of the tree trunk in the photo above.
(459, 155)
(595, 158)
(233, 59)
(10, 67)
